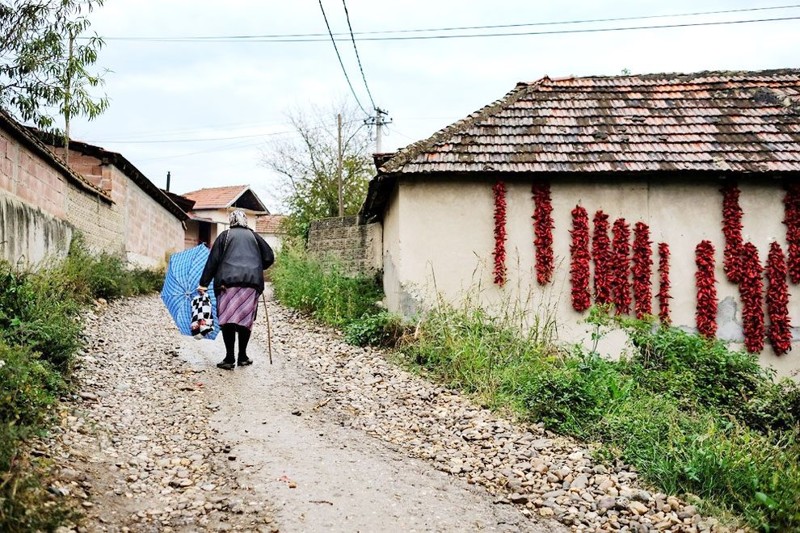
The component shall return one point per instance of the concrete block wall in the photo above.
(98, 221)
(356, 247)
(29, 236)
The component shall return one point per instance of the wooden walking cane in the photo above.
(269, 333)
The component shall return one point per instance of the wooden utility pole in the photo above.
(339, 163)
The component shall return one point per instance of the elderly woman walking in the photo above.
(238, 259)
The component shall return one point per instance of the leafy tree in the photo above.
(44, 60)
(308, 165)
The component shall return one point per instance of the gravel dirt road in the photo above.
(329, 438)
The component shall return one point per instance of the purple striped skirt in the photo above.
(237, 305)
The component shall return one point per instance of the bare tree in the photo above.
(308, 165)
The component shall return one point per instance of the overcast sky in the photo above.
(206, 109)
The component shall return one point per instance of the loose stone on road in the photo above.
(329, 438)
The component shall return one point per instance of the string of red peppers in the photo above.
(579, 265)
(499, 190)
(621, 266)
(663, 285)
(642, 270)
(601, 254)
(732, 230)
(751, 291)
(779, 331)
(543, 232)
(792, 220)
(706, 314)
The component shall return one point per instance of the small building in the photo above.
(271, 228)
(666, 195)
(213, 205)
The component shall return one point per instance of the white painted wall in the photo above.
(439, 239)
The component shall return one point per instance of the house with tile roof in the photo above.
(271, 228)
(143, 224)
(213, 205)
(671, 195)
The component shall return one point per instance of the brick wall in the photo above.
(31, 179)
(356, 247)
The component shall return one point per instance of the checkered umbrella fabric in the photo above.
(180, 284)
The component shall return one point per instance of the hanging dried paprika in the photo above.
(579, 265)
(732, 230)
(663, 285)
(499, 190)
(779, 331)
(642, 270)
(706, 314)
(791, 202)
(543, 231)
(751, 291)
(601, 254)
(621, 266)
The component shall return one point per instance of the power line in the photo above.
(339, 57)
(358, 58)
(159, 141)
(316, 37)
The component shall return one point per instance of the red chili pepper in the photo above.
(664, 285)
(732, 230)
(706, 314)
(779, 331)
(601, 254)
(499, 190)
(579, 265)
(642, 270)
(751, 291)
(621, 267)
(791, 204)
(543, 232)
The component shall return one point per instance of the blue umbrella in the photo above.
(180, 286)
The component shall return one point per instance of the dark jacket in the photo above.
(239, 257)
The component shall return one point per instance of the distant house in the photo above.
(537, 200)
(144, 224)
(271, 228)
(212, 206)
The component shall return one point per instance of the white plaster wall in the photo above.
(439, 239)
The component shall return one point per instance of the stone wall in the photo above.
(356, 247)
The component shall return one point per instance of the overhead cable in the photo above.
(315, 37)
(358, 58)
(339, 57)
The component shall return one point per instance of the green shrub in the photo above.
(690, 415)
(325, 292)
(38, 311)
(29, 389)
(381, 329)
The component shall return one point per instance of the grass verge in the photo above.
(694, 417)
(40, 331)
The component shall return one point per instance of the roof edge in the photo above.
(122, 163)
(396, 163)
(23, 134)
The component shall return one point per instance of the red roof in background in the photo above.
(269, 224)
(216, 197)
(709, 121)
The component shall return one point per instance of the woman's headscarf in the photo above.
(238, 218)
